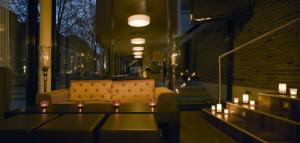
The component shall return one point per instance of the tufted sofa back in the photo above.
(126, 91)
(90, 90)
(133, 90)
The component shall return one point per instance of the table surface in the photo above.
(121, 122)
(94, 109)
(25, 122)
(74, 122)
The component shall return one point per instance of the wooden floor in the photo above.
(193, 129)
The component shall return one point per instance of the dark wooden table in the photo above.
(166, 115)
(75, 128)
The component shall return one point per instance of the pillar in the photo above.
(45, 43)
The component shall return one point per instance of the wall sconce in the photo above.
(45, 64)
(245, 98)
(282, 88)
(236, 100)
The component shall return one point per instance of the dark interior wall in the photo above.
(203, 50)
(262, 64)
(275, 58)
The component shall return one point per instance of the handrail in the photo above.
(244, 45)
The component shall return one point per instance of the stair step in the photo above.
(280, 123)
(280, 103)
(241, 130)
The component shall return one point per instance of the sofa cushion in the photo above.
(90, 90)
(133, 90)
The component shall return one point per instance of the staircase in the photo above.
(274, 119)
(193, 96)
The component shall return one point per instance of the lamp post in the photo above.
(45, 63)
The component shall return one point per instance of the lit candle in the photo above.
(80, 104)
(245, 98)
(226, 111)
(173, 59)
(252, 102)
(213, 107)
(44, 103)
(116, 103)
(152, 103)
(293, 91)
(219, 108)
(236, 100)
(282, 88)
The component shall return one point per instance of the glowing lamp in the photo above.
(44, 103)
(293, 92)
(80, 104)
(116, 103)
(173, 59)
(245, 98)
(152, 103)
(137, 48)
(282, 88)
(138, 53)
(138, 41)
(138, 57)
(139, 20)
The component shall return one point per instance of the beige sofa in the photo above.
(105, 91)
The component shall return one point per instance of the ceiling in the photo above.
(120, 32)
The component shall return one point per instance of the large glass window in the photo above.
(77, 54)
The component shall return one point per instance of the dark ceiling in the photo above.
(156, 33)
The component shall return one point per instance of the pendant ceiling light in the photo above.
(137, 48)
(137, 53)
(138, 41)
(138, 57)
(138, 20)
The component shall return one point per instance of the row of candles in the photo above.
(282, 88)
(80, 104)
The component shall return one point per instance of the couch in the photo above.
(105, 91)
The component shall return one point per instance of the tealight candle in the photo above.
(80, 104)
(226, 111)
(116, 103)
(252, 102)
(293, 92)
(282, 88)
(245, 98)
(213, 107)
(152, 103)
(44, 103)
(236, 100)
(219, 108)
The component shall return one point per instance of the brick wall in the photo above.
(275, 58)
(262, 64)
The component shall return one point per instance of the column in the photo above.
(45, 44)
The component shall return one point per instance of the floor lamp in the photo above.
(243, 46)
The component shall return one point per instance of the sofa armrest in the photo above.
(56, 96)
(164, 96)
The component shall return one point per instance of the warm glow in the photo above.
(138, 41)
(282, 88)
(293, 91)
(116, 103)
(236, 100)
(219, 108)
(44, 103)
(245, 98)
(137, 48)
(173, 59)
(213, 107)
(226, 111)
(139, 20)
(137, 53)
(138, 57)
(252, 103)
